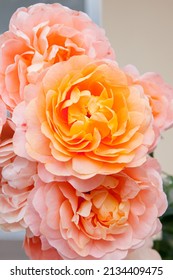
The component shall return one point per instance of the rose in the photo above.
(15, 185)
(36, 251)
(40, 36)
(84, 120)
(160, 97)
(105, 223)
(15, 179)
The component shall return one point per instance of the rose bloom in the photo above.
(105, 223)
(40, 36)
(15, 184)
(84, 120)
(15, 178)
(34, 249)
(160, 97)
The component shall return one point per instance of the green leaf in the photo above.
(165, 245)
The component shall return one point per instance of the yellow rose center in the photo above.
(108, 209)
(92, 108)
(104, 208)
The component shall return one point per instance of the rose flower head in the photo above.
(16, 182)
(106, 223)
(40, 36)
(15, 177)
(160, 96)
(34, 249)
(84, 120)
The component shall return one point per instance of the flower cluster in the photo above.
(76, 133)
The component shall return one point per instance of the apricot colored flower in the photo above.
(15, 185)
(40, 36)
(160, 97)
(84, 120)
(36, 251)
(15, 181)
(105, 223)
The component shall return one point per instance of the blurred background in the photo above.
(141, 33)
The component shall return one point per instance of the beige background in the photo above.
(141, 33)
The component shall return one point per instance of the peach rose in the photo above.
(84, 120)
(15, 185)
(160, 97)
(105, 223)
(40, 36)
(34, 249)
(15, 181)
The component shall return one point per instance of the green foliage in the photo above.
(165, 245)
